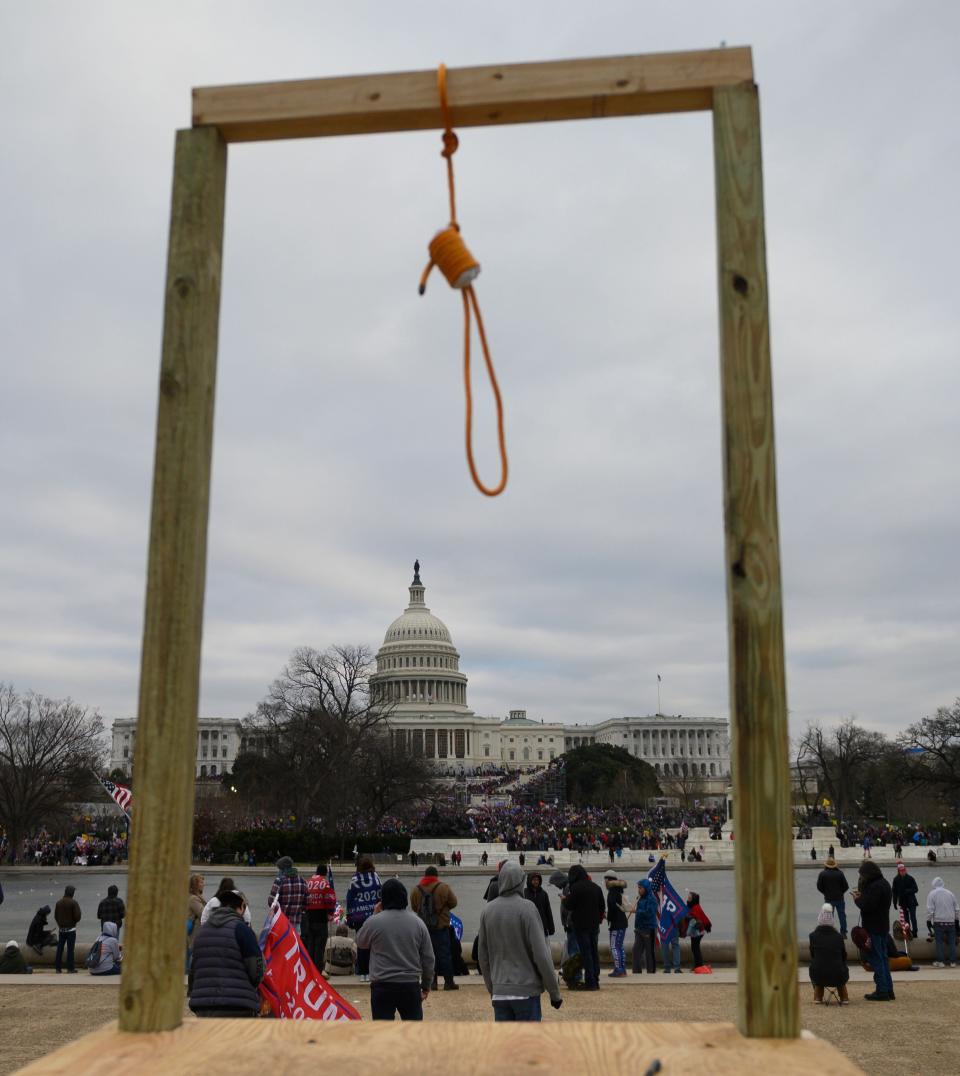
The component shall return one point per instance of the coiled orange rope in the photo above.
(449, 252)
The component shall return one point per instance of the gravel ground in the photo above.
(916, 1033)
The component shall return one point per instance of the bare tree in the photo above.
(310, 733)
(48, 748)
(687, 786)
(934, 744)
(840, 756)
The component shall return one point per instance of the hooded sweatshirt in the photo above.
(585, 901)
(12, 962)
(110, 955)
(512, 951)
(646, 913)
(399, 942)
(941, 903)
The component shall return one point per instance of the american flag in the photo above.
(671, 908)
(907, 933)
(120, 795)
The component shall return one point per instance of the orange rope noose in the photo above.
(449, 252)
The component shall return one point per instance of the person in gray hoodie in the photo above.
(942, 912)
(513, 954)
(110, 954)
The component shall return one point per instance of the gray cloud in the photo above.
(338, 453)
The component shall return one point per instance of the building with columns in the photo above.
(218, 744)
(421, 686)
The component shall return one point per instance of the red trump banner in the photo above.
(292, 986)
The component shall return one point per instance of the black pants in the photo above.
(67, 938)
(317, 936)
(644, 955)
(587, 942)
(404, 999)
(695, 949)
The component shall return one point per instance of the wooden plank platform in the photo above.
(479, 96)
(238, 1047)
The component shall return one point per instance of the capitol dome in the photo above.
(418, 662)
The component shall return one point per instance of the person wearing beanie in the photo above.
(873, 897)
(904, 890)
(290, 891)
(12, 962)
(111, 909)
(340, 953)
(616, 921)
(514, 954)
(226, 885)
(832, 883)
(828, 958)
(433, 901)
(644, 930)
(400, 955)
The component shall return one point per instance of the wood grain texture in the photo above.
(151, 992)
(479, 96)
(240, 1047)
(766, 926)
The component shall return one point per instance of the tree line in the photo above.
(912, 776)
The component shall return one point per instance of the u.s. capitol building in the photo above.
(423, 693)
(420, 685)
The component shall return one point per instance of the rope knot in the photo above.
(461, 268)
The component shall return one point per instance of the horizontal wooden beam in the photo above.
(479, 96)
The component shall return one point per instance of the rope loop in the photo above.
(449, 252)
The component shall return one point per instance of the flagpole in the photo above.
(659, 710)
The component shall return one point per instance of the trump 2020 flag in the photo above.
(291, 984)
(672, 907)
(457, 925)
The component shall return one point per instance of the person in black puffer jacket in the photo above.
(828, 958)
(227, 964)
(873, 897)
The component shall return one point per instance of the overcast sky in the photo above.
(339, 426)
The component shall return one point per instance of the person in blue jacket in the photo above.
(644, 930)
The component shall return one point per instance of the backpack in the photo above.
(93, 957)
(340, 956)
(428, 909)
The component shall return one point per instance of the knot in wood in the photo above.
(183, 285)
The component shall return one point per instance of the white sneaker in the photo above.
(937, 964)
(952, 965)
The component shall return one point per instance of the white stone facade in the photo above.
(418, 679)
(218, 744)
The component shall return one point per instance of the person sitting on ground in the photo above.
(106, 950)
(226, 885)
(828, 958)
(896, 958)
(514, 954)
(227, 965)
(340, 953)
(12, 962)
(38, 935)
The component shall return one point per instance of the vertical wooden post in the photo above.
(152, 991)
(766, 921)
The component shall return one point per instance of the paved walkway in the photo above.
(721, 976)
